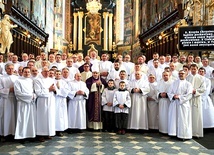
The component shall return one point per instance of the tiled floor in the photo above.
(107, 143)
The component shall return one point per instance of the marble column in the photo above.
(120, 22)
(80, 15)
(75, 31)
(110, 31)
(105, 42)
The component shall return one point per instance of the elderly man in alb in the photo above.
(26, 107)
(44, 89)
(180, 119)
(77, 104)
(96, 85)
(139, 89)
(7, 101)
(152, 103)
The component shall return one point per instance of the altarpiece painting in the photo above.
(93, 29)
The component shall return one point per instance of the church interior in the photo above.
(124, 27)
(116, 27)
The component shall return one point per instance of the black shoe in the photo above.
(60, 134)
(22, 141)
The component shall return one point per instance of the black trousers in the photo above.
(108, 120)
(121, 120)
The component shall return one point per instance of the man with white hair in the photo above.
(207, 67)
(24, 60)
(141, 61)
(44, 88)
(93, 56)
(129, 66)
(152, 103)
(80, 60)
(138, 117)
(8, 101)
(34, 72)
(77, 104)
(137, 68)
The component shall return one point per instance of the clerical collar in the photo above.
(111, 88)
(122, 89)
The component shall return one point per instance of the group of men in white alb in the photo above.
(40, 97)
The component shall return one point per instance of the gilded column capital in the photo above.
(80, 14)
(75, 14)
(105, 14)
(110, 15)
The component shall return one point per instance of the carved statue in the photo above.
(92, 49)
(70, 46)
(5, 34)
(114, 46)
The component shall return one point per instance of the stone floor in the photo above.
(106, 143)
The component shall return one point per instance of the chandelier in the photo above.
(93, 6)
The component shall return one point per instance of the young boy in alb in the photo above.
(108, 110)
(121, 104)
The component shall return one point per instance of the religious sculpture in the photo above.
(70, 46)
(5, 34)
(114, 46)
(92, 49)
(93, 26)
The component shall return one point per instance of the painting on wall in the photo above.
(136, 52)
(128, 23)
(58, 25)
(39, 12)
(123, 50)
(50, 23)
(23, 6)
(144, 16)
(93, 29)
